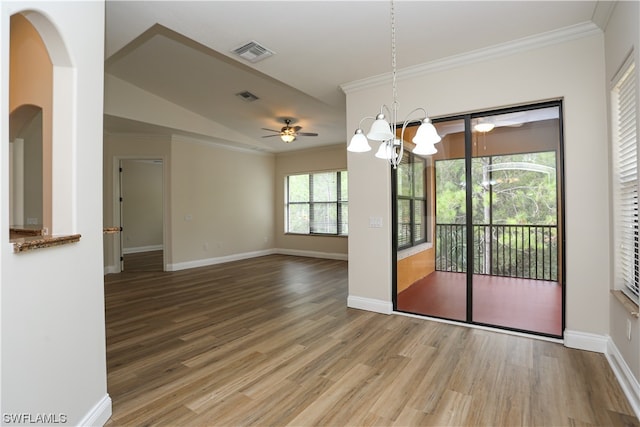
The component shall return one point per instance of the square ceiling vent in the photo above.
(247, 96)
(253, 51)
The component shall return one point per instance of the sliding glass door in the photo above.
(491, 248)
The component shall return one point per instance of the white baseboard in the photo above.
(218, 260)
(312, 254)
(246, 255)
(110, 269)
(604, 344)
(628, 382)
(99, 414)
(369, 304)
(141, 249)
(585, 341)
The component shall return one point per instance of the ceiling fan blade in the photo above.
(269, 136)
(270, 130)
(306, 134)
(296, 128)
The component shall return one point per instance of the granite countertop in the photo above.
(26, 238)
(24, 244)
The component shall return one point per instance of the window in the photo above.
(411, 201)
(317, 203)
(625, 167)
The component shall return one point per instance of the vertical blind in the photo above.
(626, 181)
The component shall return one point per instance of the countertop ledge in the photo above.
(25, 244)
(629, 305)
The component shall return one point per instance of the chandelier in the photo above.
(391, 148)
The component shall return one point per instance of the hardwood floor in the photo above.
(143, 261)
(270, 342)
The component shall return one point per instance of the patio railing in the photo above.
(524, 251)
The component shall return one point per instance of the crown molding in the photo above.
(602, 13)
(562, 35)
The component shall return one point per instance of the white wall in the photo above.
(621, 37)
(52, 324)
(572, 70)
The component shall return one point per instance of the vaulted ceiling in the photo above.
(181, 52)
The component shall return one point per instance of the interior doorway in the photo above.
(141, 214)
(479, 224)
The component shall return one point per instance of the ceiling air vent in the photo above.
(253, 51)
(247, 96)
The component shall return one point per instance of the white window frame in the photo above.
(625, 180)
(341, 206)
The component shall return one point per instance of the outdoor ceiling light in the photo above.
(484, 127)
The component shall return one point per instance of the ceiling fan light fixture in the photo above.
(287, 137)
(288, 133)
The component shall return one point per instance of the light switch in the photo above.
(375, 222)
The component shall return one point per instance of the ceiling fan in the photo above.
(289, 133)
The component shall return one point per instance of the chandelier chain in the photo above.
(386, 132)
(393, 55)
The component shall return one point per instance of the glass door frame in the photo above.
(467, 118)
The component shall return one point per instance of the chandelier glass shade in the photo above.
(392, 148)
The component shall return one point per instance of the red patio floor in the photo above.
(529, 305)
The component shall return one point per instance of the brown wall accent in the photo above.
(31, 83)
(414, 268)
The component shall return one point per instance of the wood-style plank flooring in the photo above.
(270, 342)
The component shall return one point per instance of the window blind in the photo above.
(626, 182)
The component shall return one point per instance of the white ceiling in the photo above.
(181, 51)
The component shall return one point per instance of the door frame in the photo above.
(467, 117)
(118, 258)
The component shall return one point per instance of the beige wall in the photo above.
(221, 204)
(316, 160)
(130, 147)
(142, 205)
(548, 72)
(623, 36)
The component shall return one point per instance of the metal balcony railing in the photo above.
(523, 251)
